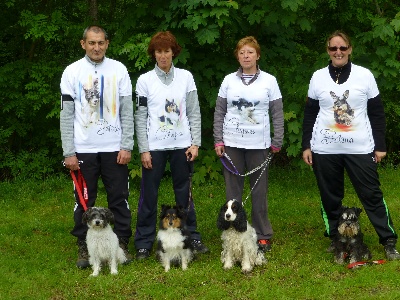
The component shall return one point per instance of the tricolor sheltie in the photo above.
(173, 238)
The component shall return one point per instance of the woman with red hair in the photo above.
(168, 128)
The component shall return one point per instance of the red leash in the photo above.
(79, 184)
(365, 263)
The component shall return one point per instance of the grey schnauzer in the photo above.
(348, 243)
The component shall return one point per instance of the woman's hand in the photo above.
(307, 157)
(219, 150)
(379, 156)
(145, 157)
(192, 152)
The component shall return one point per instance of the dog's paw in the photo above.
(114, 272)
(247, 270)
(260, 259)
(228, 266)
(339, 260)
(94, 274)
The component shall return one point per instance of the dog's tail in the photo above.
(121, 256)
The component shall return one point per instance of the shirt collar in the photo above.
(94, 63)
(160, 72)
(239, 73)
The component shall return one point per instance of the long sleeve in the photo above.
(311, 111)
(141, 128)
(377, 120)
(194, 116)
(67, 125)
(219, 115)
(276, 110)
(127, 125)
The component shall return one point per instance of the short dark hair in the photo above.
(96, 29)
(163, 40)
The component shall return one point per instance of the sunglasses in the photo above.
(341, 48)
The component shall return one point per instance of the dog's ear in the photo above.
(109, 215)
(240, 222)
(163, 210)
(358, 211)
(222, 224)
(182, 213)
(85, 216)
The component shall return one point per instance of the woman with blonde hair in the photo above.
(246, 101)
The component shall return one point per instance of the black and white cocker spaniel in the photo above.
(239, 238)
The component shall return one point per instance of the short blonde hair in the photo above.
(341, 34)
(248, 40)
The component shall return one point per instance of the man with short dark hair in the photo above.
(96, 123)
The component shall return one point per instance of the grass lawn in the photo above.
(37, 253)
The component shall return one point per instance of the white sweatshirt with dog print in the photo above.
(342, 125)
(242, 111)
(98, 116)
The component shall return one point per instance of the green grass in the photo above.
(37, 253)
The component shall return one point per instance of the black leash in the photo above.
(191, 171)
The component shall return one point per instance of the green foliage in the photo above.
(207, 166)
(38, 41)
(36, 164)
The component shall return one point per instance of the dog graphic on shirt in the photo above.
(171, 113)
(343, 113)
(90, 108)
(246, 109)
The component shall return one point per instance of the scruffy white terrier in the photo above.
(239, 238)
(102, 242)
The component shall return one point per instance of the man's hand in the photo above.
(71, 163)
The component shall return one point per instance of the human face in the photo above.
(339, 58)
(95, 45)
(164, 59)
(248, 57)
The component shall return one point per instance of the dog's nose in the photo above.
(227, 216)
(97, 222)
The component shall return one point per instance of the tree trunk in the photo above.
(93, 11)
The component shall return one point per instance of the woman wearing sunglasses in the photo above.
(344, 129)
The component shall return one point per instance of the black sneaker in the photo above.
(83, 255)
(198, 247)
(264, 245)
(142, 253)
(390, 250)
(123, 243)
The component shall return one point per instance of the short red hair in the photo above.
(163, 40)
